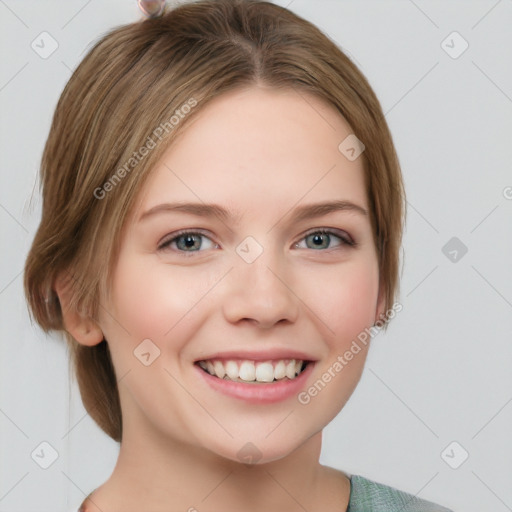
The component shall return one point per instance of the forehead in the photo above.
(258, 150)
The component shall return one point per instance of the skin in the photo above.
(262, 153)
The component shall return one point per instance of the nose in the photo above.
(260, 293)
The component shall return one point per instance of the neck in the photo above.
(156, 473)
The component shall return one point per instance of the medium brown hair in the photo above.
(134, 80)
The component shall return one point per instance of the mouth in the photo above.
(254, 372)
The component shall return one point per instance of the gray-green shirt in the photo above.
(369, 496)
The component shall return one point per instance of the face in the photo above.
(249, 251)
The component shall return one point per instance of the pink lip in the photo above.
(264, 393)
(261, 355)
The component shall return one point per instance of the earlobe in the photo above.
(86, 332)
(83, 328)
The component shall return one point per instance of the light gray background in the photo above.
(442, 373)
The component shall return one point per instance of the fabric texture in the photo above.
(369, 496)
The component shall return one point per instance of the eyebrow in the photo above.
(304, 212)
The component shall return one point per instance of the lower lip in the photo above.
(264, 393)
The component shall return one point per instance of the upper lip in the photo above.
(259, 355)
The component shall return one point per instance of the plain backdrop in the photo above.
(433, 412)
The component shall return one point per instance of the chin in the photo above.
(258, 452)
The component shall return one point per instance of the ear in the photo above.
(81, 327)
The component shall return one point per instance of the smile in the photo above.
(244, 370)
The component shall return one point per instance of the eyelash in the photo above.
(345, 239)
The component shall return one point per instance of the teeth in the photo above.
(264, 372)
(290, 369)
(280, 370)
(219, 369)
(251, 371)
(232, 370)
(247, 371)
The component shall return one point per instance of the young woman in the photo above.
(222, 217)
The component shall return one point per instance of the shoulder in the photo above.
(84, 507)
(79, 508)
(366, 496)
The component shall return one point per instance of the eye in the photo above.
(187, 241)
(322, 238)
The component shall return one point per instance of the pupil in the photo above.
(320, 240)
(189, 241)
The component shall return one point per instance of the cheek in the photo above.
(346, 300)
(347, 305)
(152, 300)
